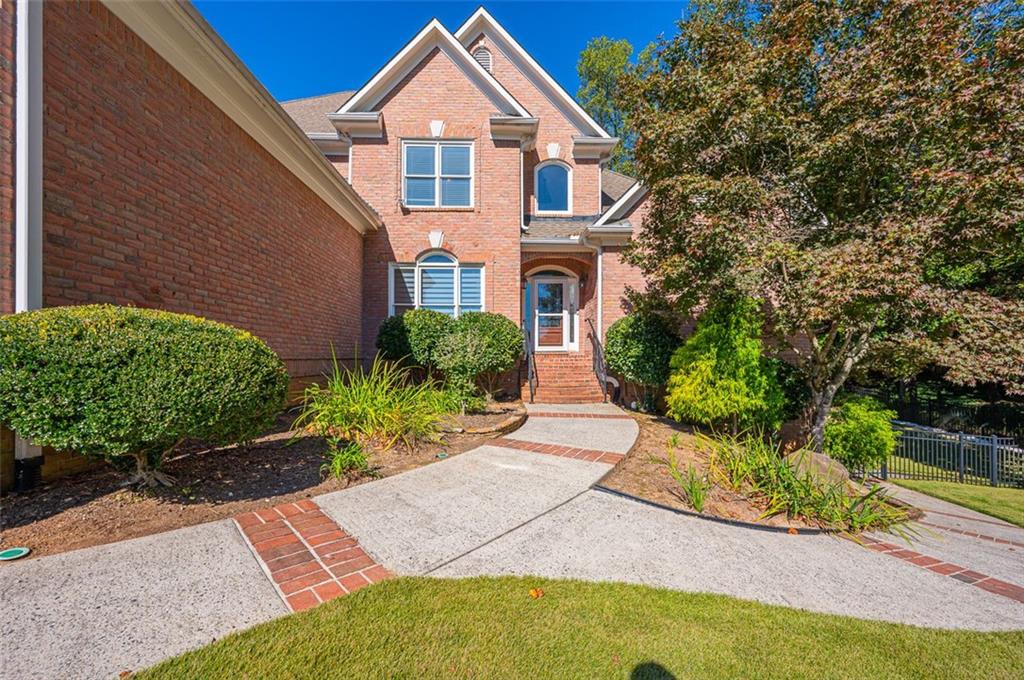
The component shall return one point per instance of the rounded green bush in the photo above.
(413, 335)
(639, 347)
(719, 375)
(127, 383)
(859, 433)
(482, 345)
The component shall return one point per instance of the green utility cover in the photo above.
(13, 553)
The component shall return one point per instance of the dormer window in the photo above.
(552, 180)
(437, 174)
(483, 57)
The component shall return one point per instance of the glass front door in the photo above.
(554, 315)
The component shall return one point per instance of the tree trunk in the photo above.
(821, 404)
(147, 475)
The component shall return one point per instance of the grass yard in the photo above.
(1002, 502)
(493, 628)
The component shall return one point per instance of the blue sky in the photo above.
(298, 49)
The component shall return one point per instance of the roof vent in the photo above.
(483, 57)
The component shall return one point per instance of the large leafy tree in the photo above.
(839, 160)
(601, 66)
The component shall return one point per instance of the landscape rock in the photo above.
(824, 470)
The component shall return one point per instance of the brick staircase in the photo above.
(563, 378)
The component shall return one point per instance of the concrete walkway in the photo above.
(522, 504)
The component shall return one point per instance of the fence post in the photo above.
(960, 455)
(994, 460)
(885, 470)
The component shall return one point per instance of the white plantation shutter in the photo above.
(470, 289)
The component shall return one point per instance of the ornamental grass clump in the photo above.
(378, 407)
(750, 464)
(130, 385)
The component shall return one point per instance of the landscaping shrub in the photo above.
(345, 460)
(719, 375)
(381, 406)
(126, 383)
(639, 347)
(480, 348)
(756, 467)
(859, 433)
(413, 336)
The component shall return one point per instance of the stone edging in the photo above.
(513, 422)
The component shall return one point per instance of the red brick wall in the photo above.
(620, 276)
(488, 233)
(154, 197)
(553, 127)
(6, 157)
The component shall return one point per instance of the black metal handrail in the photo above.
(531, 366)
(598, 357)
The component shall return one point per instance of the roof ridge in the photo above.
(314, 96)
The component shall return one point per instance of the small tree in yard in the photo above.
(132, 384)
(719, 375)
(824, 159)
(639, 347)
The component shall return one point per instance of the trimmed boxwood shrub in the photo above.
(719, 375)
(638, 347)
(859, 433)
(412, 336)
(481, 346)
(132, 384)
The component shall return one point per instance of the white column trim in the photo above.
(28, 171)
(600, 294)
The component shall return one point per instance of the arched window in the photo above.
(438, 281)
(552, 180)
(483, 57)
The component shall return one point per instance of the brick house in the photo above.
(490, 182)
(141, 163)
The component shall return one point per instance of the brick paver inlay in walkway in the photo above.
(591, 455)
(306, 555)
(983, 581)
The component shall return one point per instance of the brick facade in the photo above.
(486, 234)
(554, 127)
(153, 197)
(6, 157)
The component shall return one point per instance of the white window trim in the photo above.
(568, 188)
(437, 144)
(419, 266)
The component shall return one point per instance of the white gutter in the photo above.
(600, 295)
(28, 171)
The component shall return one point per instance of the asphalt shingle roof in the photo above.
(311, 112)
(613, 186)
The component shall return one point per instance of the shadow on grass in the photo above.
(651, 670)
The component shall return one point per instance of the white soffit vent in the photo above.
(483, 57)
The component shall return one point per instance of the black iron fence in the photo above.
(933, 454)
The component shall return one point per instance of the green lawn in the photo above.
(492, 628)
(1002, 502)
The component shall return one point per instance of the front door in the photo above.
(554, 319)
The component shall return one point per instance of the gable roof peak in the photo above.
(433, 35)
(481, 21)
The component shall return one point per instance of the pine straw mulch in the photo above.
(93, 507)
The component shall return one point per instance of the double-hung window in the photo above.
(437, 174)
(436, 281)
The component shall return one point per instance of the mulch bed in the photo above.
(93, 508)
(643, 474)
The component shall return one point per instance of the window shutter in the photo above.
(470, 293)
(437, 289)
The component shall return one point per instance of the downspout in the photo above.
(28, 193)
(600, 294)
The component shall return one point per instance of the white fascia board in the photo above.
(180, 35)
(632, 196)
(432, 35)
(593, 147)
(482, 18)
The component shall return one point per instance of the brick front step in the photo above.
(306, 555)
